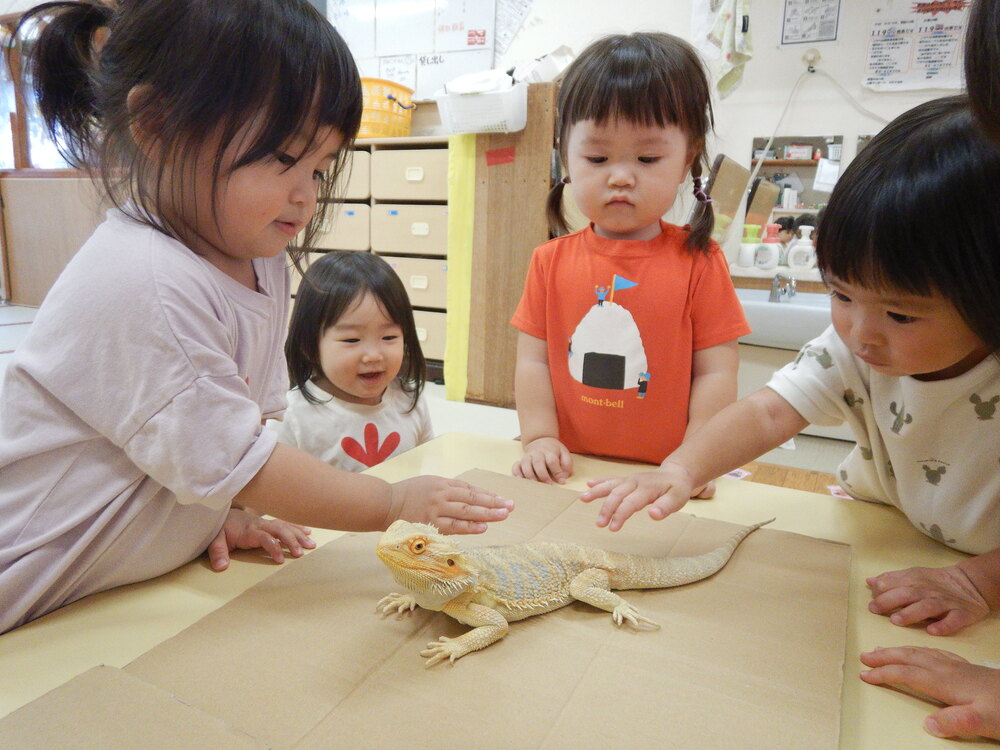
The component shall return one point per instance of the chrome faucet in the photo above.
(781, 285)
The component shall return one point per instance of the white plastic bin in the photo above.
(494, 112)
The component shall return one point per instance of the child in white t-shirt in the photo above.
(912, 364)
(355, 364)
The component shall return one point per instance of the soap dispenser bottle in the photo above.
(769, 250)
(748, 245)
(802, 256)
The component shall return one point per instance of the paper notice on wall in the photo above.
(916, 45)
(510, 18)
(806, 21)
(418, 43)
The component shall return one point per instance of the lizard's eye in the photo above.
(417, 546)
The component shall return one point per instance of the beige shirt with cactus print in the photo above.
(931, 448)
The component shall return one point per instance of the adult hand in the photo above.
(454, 506)
(546, 460)
(246, 530)
(944, 595)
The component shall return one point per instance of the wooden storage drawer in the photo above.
(409, 229)
(425, 279)
(357, 172)
(307, 261)
(432, 332)
(410, 174)
(347, 228)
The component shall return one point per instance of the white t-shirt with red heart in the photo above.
(354, 437)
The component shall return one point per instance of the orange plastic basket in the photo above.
(387, 108)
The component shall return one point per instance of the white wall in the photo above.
(16, 6)
(754, 108)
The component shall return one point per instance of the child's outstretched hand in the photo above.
(972, 692)
(454, 506)
(665, 490)
(246, 530)
(546, 460)
(944, 595)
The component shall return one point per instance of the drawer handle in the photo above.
(421, 334)
(414, 174)
(418, 282)
(420, 229)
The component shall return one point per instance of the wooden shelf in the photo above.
(793, 211)
(787, 162)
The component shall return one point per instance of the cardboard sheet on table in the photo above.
(750, 658)
(106, 708)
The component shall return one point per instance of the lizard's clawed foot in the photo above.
(443, 648)
(627, 613)
(402, 604)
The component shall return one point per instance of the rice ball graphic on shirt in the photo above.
(606, 349)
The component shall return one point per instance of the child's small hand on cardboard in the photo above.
(546, 460)
(972, 692)
(944, 595)
(665, 490)
(244, 529)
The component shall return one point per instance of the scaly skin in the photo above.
(489, 587)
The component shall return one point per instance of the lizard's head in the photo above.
(424, 560)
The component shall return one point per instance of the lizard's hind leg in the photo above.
(593, 586)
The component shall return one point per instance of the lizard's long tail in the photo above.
(663, 572)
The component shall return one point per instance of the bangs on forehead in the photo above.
(651, 80)
(300, 95)
(628, 98)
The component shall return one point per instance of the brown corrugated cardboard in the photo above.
(107, 709)
(751, 657)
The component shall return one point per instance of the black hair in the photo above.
(807, 220)
(916, 212)
(982, 65)
(193, 75)
(331, 286)
(644, 78)
(787, 223)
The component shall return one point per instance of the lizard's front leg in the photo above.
(489, 626)
(402, 604)
(593, 586)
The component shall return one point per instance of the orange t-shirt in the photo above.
(622, 320)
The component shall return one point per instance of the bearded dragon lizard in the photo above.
(489, 587)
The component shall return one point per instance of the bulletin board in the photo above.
(421, 45)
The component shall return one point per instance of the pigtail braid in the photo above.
(703, 218)
(554, 210)
(61, 65)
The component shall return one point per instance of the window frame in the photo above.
(19, 119)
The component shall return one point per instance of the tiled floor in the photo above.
(819, 454)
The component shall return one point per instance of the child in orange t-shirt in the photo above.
(628, 327)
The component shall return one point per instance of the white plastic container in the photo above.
(493, 112)
(802, 256)
(768, 253)
(748, 245)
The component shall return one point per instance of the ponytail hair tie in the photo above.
(700, 194)
(565, 180)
